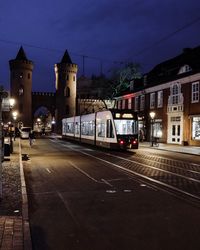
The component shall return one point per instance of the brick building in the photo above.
(172, 91)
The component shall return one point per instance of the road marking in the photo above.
(106, 182)
(83, 172)
(49, 171)
(68, 208)
(144, 176)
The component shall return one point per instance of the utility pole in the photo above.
(3, 94)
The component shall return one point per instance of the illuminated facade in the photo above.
(172, 91)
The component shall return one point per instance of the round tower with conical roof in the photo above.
(66, 75)
(21, 86)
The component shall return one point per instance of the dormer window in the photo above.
(184, 69)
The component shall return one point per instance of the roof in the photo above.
(21, 56)
(168, 70)
(66, 58)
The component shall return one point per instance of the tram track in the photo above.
(174, 177)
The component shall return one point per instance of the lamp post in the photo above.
(152, 115)
(14, 115)
(3, 94)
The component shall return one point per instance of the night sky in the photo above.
(108, 31)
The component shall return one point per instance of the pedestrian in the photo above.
(31, 137)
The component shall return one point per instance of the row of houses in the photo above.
(171, 92)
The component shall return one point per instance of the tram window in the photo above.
(69, 127)
(109, 129)
(87, 128)
(77, 128)
(125, 127)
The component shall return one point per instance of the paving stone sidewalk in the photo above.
(11, 221)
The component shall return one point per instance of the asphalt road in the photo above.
(84, 199)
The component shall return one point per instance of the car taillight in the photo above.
(134, 142)
(121, 142)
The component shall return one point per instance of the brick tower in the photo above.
(65, 72)
(21, 86)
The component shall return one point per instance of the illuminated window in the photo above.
(160, 99)
(129, 103)
(195, 92)
(123, 103)
(119, 104)
(184, 69)
(152, 100)
(196, 128)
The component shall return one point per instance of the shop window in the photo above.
(196, 128)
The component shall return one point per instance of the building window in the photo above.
(152, 100)
(142, 102)
(74, 78)
(129, 103)
(119, 104)
(136, 103)
(184, 69)
(29, 75)
(195, 92)
(175, 94)
(160, 99)
(196, 128)
(67, 92)
(123, 103)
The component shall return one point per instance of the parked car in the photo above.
(24, 132)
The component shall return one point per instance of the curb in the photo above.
(170, 150)
(25, 218)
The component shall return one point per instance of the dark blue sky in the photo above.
(143, 31)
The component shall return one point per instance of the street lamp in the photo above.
(14, 115)
(152, 115)
(12, 102)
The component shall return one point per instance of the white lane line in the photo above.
(83, 172)
(49, 171)
(68, 209)
(106, 182)
(140, 175)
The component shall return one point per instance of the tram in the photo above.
(114, 129)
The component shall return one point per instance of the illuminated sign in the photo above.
(127, 115)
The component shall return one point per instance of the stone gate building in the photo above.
(61, 103)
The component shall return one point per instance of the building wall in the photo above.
(170, 118)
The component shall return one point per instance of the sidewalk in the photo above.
(14, 224)
(174, 148)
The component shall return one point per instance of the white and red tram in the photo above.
(116, 129)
